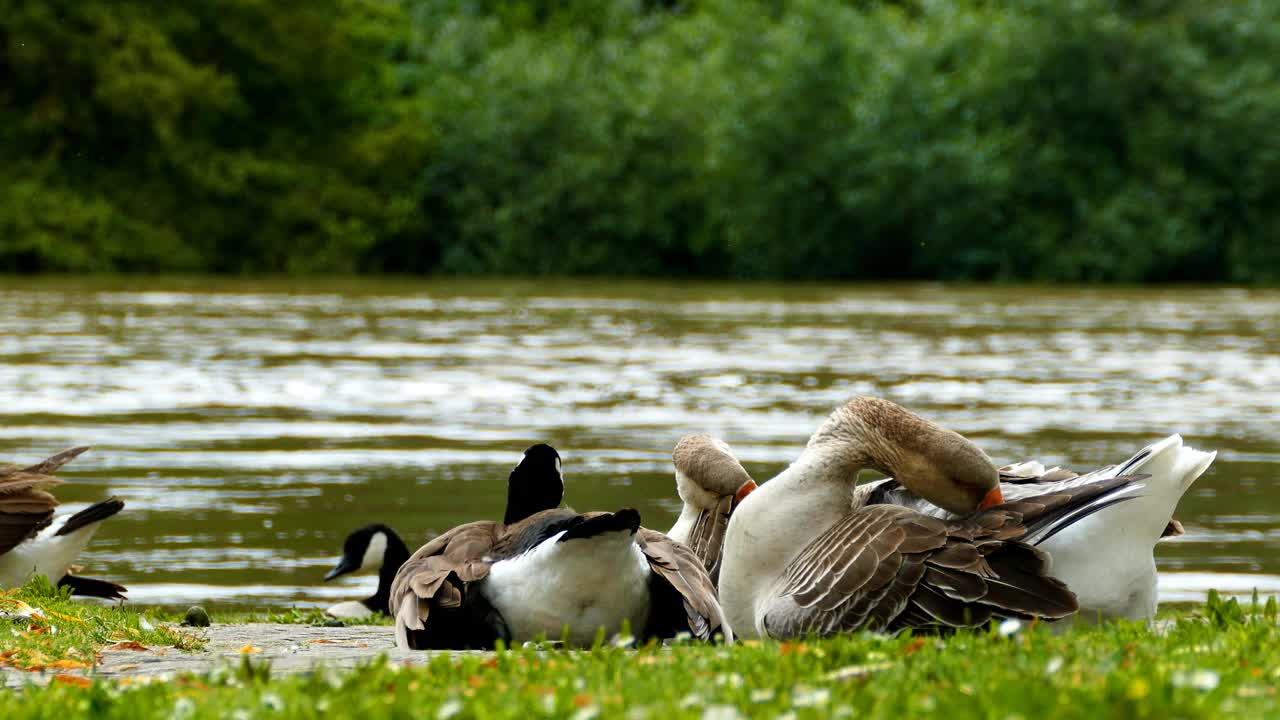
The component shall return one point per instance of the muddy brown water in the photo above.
(249, 424)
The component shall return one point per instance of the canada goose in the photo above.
(711, 482)
(35, 542)
(535, 484)
(1106, 555)
(809, 552)
(555, 573)
(371, 548)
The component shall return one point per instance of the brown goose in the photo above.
(711, 483)
(556, 573)
(35, 542)
(808, 553)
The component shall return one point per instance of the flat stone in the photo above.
(289, 649)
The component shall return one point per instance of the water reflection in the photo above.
(250, 425)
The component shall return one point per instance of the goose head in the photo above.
(931, 461)
(535, 484)
(368, 550)
(707, 471)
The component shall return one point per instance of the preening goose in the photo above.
(35, 542)
(1105, 555)
(807, 553)
(535, 484)
(556, 574)
(711, 482)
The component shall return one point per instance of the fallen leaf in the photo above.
(911, 647)
(249, 649)
(68, 664)
(73, 680)
(127, 645)
(68, 618)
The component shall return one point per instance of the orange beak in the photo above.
(992, 499)
(747, 488)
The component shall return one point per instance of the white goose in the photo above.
(1106, 555)
(808, 552)
(711, 483)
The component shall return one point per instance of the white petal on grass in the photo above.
(733, 680)
(805, 697)
(448, 709)
(1203, 680)
(852, 672)
(721, 712)
(1009, 627)
(692, 700)
(762, 695)
(590, 712)
(1054, 665)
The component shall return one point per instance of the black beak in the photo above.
(344, 566)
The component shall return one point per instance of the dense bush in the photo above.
(1091, 140)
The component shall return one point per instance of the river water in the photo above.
(249, 425)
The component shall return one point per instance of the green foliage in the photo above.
(1078, 140)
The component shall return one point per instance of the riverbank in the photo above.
(1219, 659)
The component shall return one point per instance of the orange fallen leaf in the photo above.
(127, 645)
(583, 700)
(68, 664)
(72, 680)
(249, 649)
(911, 647)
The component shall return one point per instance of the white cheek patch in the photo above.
(374, 554)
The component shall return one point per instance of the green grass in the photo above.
(1222, 660)
(42, 627)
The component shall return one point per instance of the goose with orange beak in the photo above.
(811, 553)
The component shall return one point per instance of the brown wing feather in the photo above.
(26, 505)
(886, 567)
(430, 590)
(684, 596)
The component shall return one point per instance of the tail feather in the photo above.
(93, 514)
(89, 587)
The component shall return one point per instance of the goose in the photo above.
(372, 548)
(711, 483)
(535, 484)
(555, 573)
(33, 541)
(810, 553)
(1106, 556)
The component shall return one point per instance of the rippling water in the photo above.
(250, 425)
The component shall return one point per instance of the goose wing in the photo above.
(26, 505)
(886, 567)
(429, 594)
(683, 595)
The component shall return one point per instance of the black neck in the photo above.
(395, 556)
(526, 497)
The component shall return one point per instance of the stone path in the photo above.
(289, 649)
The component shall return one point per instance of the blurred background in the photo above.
(279, 262)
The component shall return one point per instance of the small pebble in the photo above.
(196, 617)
